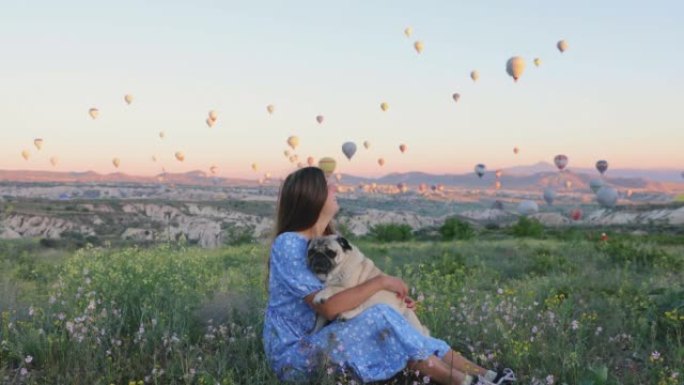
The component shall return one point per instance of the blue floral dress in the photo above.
(375, 345)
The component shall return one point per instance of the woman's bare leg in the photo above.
(456, 361)
(438, 371)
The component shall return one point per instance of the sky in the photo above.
(615, 94)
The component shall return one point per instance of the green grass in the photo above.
(584, 311)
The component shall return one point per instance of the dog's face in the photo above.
(324, 253)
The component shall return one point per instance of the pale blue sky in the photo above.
(615, 94)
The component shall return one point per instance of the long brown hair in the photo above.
(300, 201)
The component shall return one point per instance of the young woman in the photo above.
(375, 345)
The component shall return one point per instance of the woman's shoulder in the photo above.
(289, 237)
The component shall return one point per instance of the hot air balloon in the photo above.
(327, 164)
(26, 154)
(418, 45)
(607, 197)
(498, 174)
(408, 31)
(255, 166)
(422, 187)
(179, 156)
(516, 150)
(480, 169)
(310, 161)
(293, 142)
(270, 108)
(349, 149)
(128, 98)
(154, 158)
(213, 115)
(402, 148)
(602, 166)
(381, 162)
(38, 143)
(474, 75)
(568, 184)
(319, 119)
(527, 207)
(537, 62)
(54, 160)
(576, 214)
(286, 153)
(210, 122)
(116, 162)
(94, 113)
(367, 145)
(384, 106)
(549, 196)
(562, 45)
(213, 169)
(161, 134)
(515, 67)
(456, 96)
(561, 161)
(497, 185)
(293, 158)
(595, 185)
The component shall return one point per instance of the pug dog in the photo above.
(341, 265)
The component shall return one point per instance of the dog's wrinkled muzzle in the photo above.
(321, 264)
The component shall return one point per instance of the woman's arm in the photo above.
(354, 296)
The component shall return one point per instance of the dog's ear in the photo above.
(344, 243)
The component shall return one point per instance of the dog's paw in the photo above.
(319, 300)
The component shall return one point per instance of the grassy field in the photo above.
(558, 309)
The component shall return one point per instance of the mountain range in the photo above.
(541, 174)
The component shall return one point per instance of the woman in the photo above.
(375, 345)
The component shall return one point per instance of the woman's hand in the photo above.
(394, 284)
(410, 302)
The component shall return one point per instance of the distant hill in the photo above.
(655, 175)
(196, 177)
(541, 174)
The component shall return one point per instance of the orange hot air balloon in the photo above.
(515, 67)
(270, 108)
(94, 113)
